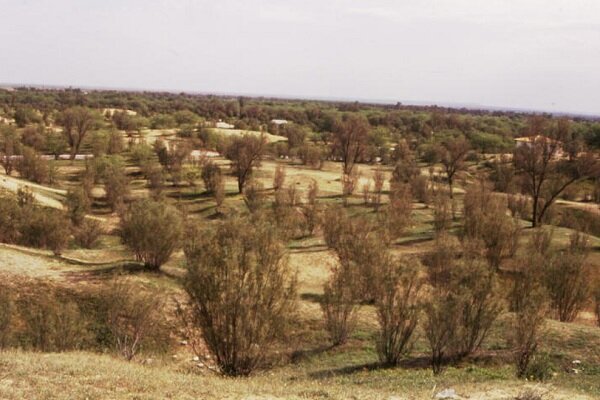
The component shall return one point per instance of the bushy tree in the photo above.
(76, 123)
(9, 147)
(350, 135)
(241, 290)
(152, 230)
(33, 167)
(245, 153)
(453, 153)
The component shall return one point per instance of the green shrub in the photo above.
(541, 368)
(152, 230)
(133, 317)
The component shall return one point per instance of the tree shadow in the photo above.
(312, 297)
(421, 362)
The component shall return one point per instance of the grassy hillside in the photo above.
(91, 376)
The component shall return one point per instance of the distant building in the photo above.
(279, 121)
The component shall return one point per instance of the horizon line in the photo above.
(417, 103)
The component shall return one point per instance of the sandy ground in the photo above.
(14, 184)
(237, 132)
(25, 261)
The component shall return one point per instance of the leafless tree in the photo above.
(76, 123)
(547, 174)
(9, 144)
(453, 153)
(279, 177)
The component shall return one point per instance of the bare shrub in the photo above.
(254, 196)
(288, 217)
(116, 187)
(442, 213)
(50, 323)
(366, 192)
(528, 324)
(567, 279)
(519, 205)
(241, 292)
(153, 172)
(442, 259)
(442, 313)
(398, 306)
(419, 186)
(132, 316)
(6, 316)
(279, 177)
(529, 394)
(88, 233)
(379, 180)
(211, 174)
(152, 230)
(359, 249)
(397, 215)
(219, 192)
(529, 301)
(25, 197)
(311, 208)
(480, 304)
(10, 220)
(485, 219)
(78, 205)
(540, 241)
(597, 301)
(311, 155)
(349, 182)
(340, 305)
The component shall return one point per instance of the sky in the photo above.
(526, 54)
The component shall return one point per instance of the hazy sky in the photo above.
(538, 54)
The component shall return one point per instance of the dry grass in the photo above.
(81, 375)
